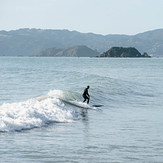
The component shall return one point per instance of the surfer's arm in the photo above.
(87, 94)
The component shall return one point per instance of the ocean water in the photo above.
(37, 126)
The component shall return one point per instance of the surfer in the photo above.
(86, 95)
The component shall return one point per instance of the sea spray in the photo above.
(34, 113)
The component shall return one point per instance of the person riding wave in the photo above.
(86, 95)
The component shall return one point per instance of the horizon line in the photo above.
(78, 31)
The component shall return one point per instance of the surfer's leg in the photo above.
(87, 100)
(84, 98)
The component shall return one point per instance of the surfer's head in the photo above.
(88, 86)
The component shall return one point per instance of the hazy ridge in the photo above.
(29, 42)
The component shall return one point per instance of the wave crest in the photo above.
(36, 112)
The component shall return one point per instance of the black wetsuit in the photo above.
(86, 95)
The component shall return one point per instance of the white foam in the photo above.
(34, 113)
(56, 93)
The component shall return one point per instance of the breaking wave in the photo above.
(36, 112)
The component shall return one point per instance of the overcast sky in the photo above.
(96, 16)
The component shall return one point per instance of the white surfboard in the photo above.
(80, 104)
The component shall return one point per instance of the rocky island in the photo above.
(124, 52)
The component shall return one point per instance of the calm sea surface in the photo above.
(36, 126)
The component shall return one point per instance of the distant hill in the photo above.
(75, 51)
(29, 42)
(50, 52)
(124, 52)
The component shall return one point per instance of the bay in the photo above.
(128, 128)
